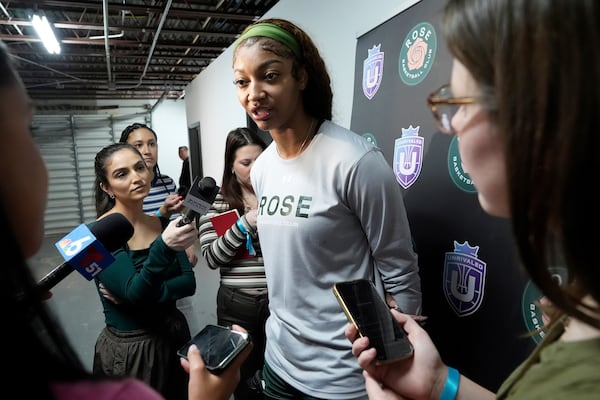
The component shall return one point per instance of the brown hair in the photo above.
(230, 187)
(538, 63)
(317, 97)
(102, 201)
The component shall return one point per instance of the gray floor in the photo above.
(77, 306)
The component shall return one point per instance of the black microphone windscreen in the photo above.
(113, 231)
(199, 198)
(206, 186)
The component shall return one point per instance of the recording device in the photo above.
(371, 316)
(88, 250)
(218, 346)
(199, 198)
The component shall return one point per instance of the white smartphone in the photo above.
(218, 345)
(371, 316)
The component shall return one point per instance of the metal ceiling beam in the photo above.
(119, 28)
(114, 42)
(119, 54)
(167, 51)
(188, 13)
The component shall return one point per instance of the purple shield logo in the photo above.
(408, 156)
(464, 279)
(372, 71)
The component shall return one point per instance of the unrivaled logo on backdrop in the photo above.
(464, 279)
(408, 156)
(372, 71)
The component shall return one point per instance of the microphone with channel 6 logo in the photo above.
(88, 250)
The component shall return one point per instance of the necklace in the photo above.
(308, 134)
(301, 148)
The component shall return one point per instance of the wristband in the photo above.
(451, 385)
(243, 229)
(158, 214)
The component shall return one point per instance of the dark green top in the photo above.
(557, 370)
(148, 282)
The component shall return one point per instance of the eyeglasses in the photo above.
(444, 106)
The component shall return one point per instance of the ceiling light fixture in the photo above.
(46, 34)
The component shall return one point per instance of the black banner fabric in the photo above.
(480, 304)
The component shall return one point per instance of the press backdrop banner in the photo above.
(480, 304)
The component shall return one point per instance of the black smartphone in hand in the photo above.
(371, 316)
(218, 345)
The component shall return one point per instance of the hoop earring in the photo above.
(112, 196)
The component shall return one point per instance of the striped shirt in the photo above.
(160, 188)
(247, 274)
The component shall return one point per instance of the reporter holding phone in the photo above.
(207, 385)
(366, 309)
(528, 136)
(38, 351)
(219, 345)
(242, 297)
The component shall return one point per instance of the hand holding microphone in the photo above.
(179, 236)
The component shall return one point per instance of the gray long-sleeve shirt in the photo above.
(333, 213)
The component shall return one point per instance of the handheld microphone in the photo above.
(199, 198)
(88, 250)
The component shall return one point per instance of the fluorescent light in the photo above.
(45, 33)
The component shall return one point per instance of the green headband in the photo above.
(272, 31)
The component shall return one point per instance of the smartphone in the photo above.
(218, 345)
(366, 309)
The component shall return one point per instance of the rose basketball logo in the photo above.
(417, 53)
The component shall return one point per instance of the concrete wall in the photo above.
(170, 124)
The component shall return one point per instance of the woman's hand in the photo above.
(179, 238)
(251, 217)
(107, 294)
(391, 302)
(377, 391)
(173, 203)
(191, 254)
(204, 385)
(419, 377)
